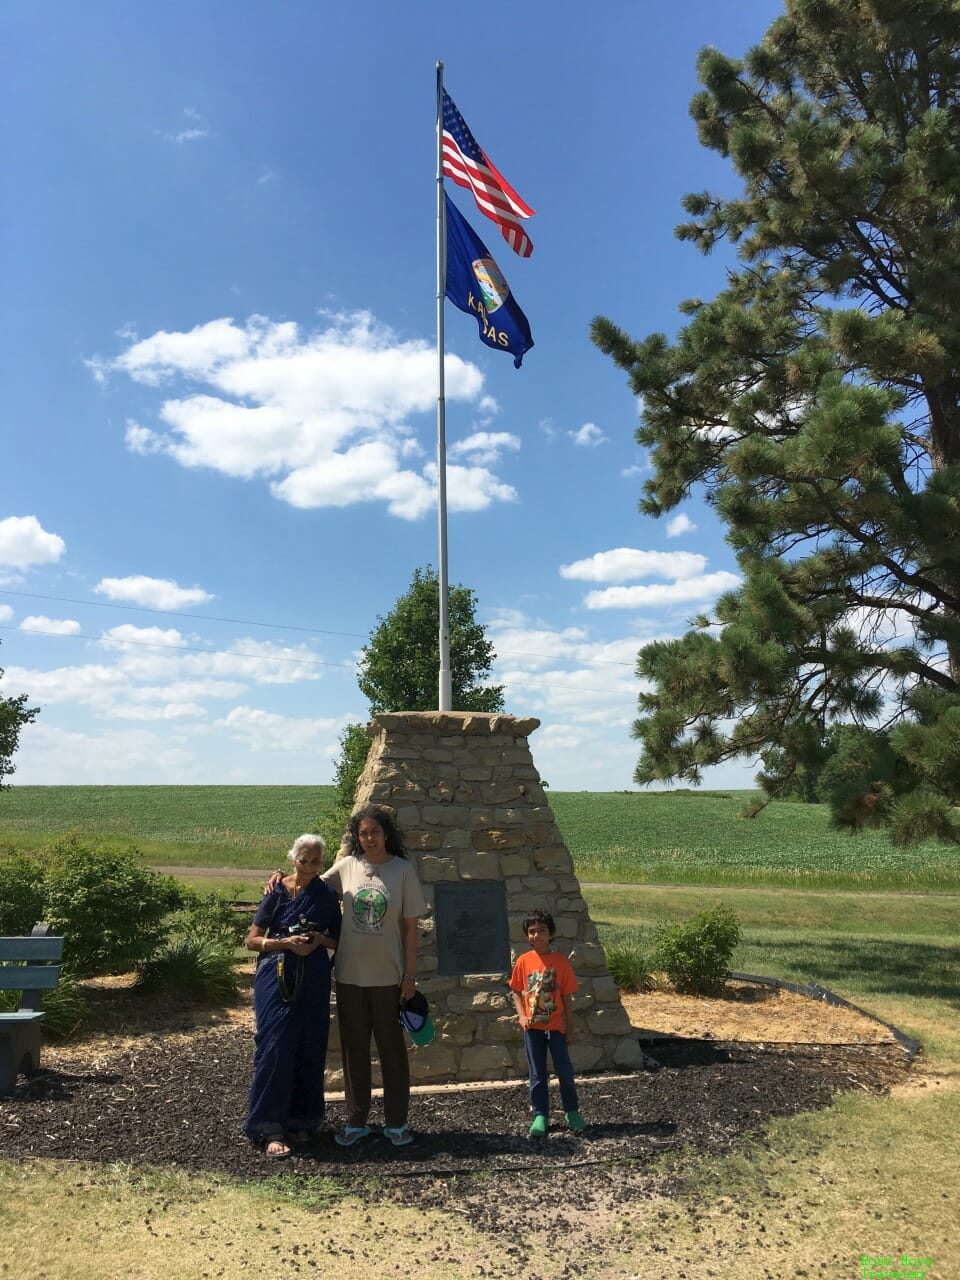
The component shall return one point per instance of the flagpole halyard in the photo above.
(444, 692)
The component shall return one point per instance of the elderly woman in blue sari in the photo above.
(295, 926)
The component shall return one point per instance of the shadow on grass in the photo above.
(876, 966)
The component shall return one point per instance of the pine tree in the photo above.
(816, 403)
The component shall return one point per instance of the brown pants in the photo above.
(362, 1012)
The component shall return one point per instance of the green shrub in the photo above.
(210, 916)
(695, 954)
(21, 894)
(629, 966)
(110, 909)
(65, 1008)
(193, 968)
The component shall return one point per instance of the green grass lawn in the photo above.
(895, 954)
(628, 837)
(867, 1174)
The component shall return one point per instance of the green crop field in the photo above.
(206, 826)
(629, 837)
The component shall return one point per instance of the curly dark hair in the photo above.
(392, 838)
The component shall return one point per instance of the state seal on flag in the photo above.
(493, 286)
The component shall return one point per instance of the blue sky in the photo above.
(220, 373)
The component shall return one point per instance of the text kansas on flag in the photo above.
(476, 285)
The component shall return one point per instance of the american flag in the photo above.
(468, 165)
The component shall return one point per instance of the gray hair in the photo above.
(303, 841)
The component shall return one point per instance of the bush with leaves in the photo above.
(209, 916)
(111, 910)
(695, 954)
(21, 893)
(629, 965)
(347, 768)
(192, 968)
(65, 1008)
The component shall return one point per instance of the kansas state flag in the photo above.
(476, 285)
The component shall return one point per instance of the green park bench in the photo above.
(26, 965)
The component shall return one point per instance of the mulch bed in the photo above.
(179, 1101)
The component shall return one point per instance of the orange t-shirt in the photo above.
(542, 982)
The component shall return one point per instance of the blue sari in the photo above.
(291, 1000)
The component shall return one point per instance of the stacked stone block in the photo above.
(471, 807)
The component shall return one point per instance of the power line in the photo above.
(179, 613)
(279, 626)
(233, 653)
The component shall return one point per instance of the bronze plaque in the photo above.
(472, 931)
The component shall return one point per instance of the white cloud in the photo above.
(323, 415)
(704, 588)
(6, 613)
(588, 436)
(90, 685)
(256, 661)
(470, 488)
(147, 711)
(154, 593)
(23, 542)
(484, 446)
(267, 731)
(680, 524)
(141, 439)
(50, 626)
(49, 754)
(194, 131)
(127, 633)
(624, 563)
(882, 627)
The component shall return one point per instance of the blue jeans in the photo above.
(535, 1043)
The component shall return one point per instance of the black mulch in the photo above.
(182, 1104)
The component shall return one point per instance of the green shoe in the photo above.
(575, 1120)
(539, 1127)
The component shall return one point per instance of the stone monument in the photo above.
(477, 826)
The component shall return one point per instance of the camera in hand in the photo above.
(302, 927)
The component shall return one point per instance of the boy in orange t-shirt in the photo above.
(543, 983)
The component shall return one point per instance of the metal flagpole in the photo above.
(445, 695)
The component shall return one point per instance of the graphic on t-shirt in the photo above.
(541, 995)
(369, 908)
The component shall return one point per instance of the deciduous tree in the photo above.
(14, 714)
(400, 663)
(816, 403)
(399, 670)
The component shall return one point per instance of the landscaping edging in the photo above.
(814, 991)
